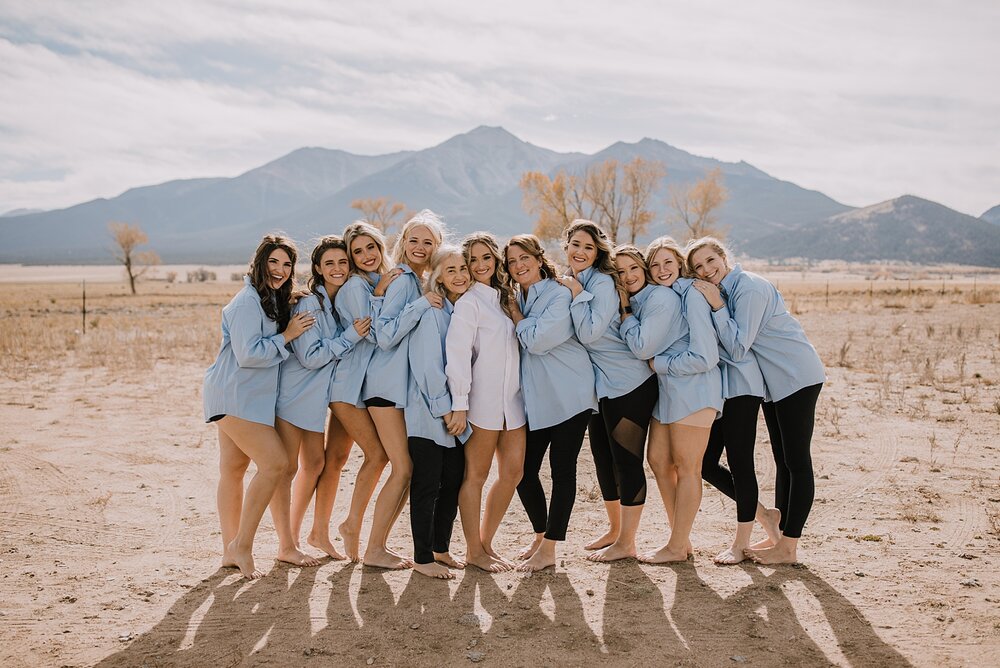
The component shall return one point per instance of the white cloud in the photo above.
(859, 101)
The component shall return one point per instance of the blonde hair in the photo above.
(714, 244)
(436, 266)
(360, 228)
(668, 243)
(636, 254)
(425, 218)
(533, 247)
(499, 281)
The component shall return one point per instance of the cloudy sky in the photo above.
(862, 100)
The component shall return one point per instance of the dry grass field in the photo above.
(109, 542)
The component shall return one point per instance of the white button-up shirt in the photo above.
(483, 369)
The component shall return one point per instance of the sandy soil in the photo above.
(109, 544)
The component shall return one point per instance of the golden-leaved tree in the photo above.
(382, 212)
(615, 196)
(127, 239)
(694, 206)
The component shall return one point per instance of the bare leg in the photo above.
(528, 551)
(769, 518)
(358, 423)
(687, 448)
(392, 434)
(784, 552)
(261, 444)
(614, 510)
(544, 557)
(664, 470)
(734, 554)
(233, 465)
(280, 504)
(335, 454)
(510, 466)
(624, 546)
(311, 459)
(479, 451)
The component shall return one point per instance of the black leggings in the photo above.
(566, 439)
(790, 427)
(736, 432)
(618, 441)
(437, 476)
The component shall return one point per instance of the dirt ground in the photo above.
(109, 542)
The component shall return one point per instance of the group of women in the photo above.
(440, 359)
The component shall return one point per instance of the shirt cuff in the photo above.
(584, 296)
(661, 364)
(279, 342)
(352, 335)
(460, 402)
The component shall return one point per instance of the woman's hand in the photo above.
(711, 293)
(574, 285)
(387, 278)
(298, 324)
(435, 300)
(455, 421)
(296, 295)
(652, 365)
(363, 326)
(515, 310)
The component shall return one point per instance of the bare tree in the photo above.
(694, 205)
(614, 196)
(382, 212)
(127, 238)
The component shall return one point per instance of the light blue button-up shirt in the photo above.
(754, 320)
(243, 381)
(690, 368)
(557, 378)
(393, 318)
(429, 401)
(596, 321)
(353, 302)
(305, 378)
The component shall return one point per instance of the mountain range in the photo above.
(472, 180)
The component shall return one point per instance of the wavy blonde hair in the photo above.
(708, 242)
(425, 218)
(499, 281)
(670, 244)
(360, 228)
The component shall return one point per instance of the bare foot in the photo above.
(538, 561)
(769, 519)
(782, 553)
(352, 540)
(241, 559)
(488, 549)
(762, 544)
(323, 543)
(296, 558)
(613, 552)
(382, 559)
(609, 537)
(487, 563)
(664, 555)
(448, 560)
(529, 551)
(731, 556)
(434, 570)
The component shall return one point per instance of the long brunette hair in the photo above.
(274, 302)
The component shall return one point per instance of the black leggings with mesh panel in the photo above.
(618, 441)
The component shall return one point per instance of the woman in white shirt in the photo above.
(485, 383)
